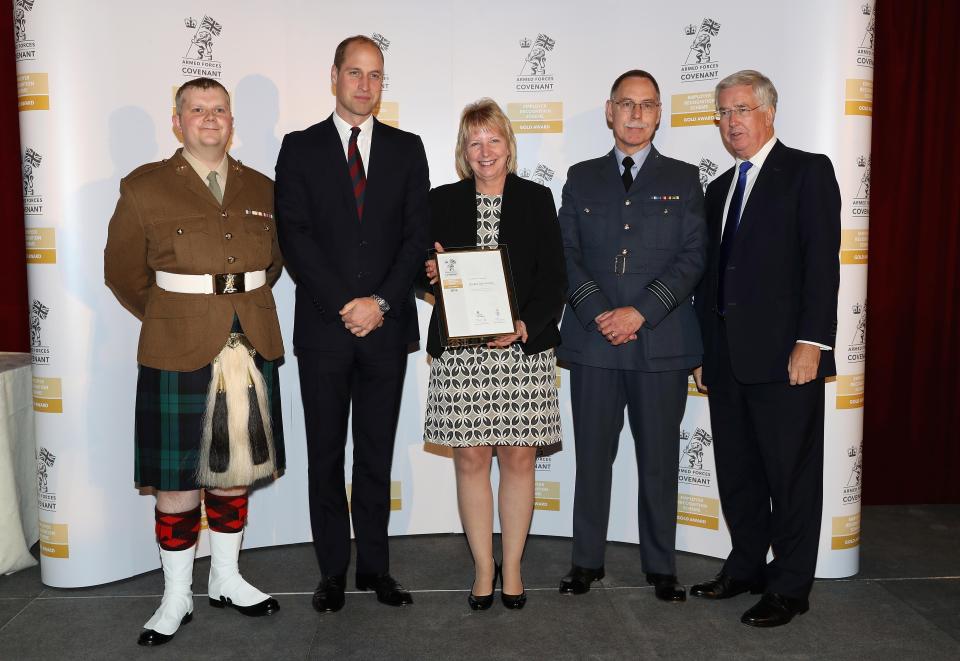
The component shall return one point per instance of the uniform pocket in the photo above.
(593, 223)
(163, 305)
(189, 236)
(263, 298)
(661, 220)
(258, 237)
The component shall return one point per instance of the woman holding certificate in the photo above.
(499, 397)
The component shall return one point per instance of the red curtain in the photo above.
(912, 414)
(13, 270)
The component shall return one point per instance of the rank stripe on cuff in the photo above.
(582, 292)
(663, 293)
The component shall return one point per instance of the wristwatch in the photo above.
(381, 303)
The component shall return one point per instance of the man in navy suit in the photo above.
(767, 308)
(635, 245)
(353, 222)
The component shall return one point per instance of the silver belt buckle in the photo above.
(620, 264)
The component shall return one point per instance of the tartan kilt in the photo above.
(169, 422)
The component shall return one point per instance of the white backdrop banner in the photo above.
(95, 86)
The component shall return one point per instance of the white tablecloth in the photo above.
(19, 523)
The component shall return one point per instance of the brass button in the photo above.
(666, 211)
(223, 213)
(179, 230)
(627, 203)
(231, 259)
(627, 226)
(586, 210)
(228, 236)
(266, 228)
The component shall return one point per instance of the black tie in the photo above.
(627, 175)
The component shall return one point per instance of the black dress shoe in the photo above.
(268, 606)
(328, 597)
(578, 579)
(151, 638)
(388, 590)
(724, 586)
(667, 587)
(484, 601)
(513, 601)
(774, 610)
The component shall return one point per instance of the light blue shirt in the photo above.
(638, 159)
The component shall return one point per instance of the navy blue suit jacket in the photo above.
(644, 248)
(332, 254)
(783, 273)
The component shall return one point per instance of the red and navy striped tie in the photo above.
(355, 163)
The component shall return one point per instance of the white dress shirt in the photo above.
(363, 140)
(757, 160)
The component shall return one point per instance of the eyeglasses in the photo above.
(627, 105)
(739, 111)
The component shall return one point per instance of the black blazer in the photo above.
(334, 256)
(784, 271)
(529, 229)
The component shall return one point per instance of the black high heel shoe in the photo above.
(484, 602)
(513, 601)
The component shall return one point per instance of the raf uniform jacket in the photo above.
(783, 272)
(644, 248)
(529, 230)
(334, 255)
(168, 220)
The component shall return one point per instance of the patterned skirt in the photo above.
(479, 396)
(169, 423)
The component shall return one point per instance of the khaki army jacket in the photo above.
(168, 220)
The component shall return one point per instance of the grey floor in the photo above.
(904, 604)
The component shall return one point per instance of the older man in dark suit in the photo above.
(767, 307)
(352, 206)
(635, 242)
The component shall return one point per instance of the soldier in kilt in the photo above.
(192, 252)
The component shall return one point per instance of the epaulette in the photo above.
(145, 168)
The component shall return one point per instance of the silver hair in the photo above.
(762, 86)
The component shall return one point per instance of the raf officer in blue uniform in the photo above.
(635, 243)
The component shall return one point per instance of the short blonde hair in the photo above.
(199, 84)
(483, 114)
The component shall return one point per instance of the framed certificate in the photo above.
(475, 294)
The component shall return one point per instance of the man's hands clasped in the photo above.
(361, 316)
(619, 325)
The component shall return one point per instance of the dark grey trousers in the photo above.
(655, 402)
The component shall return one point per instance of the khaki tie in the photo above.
(214, 186)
